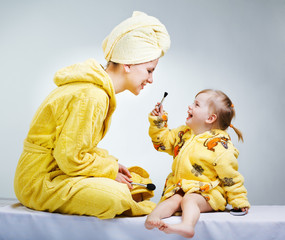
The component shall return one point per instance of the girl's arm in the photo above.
(233, 182)
(163, 138)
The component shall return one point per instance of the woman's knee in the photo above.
(110, 206)
(100, 199)
(108, 202)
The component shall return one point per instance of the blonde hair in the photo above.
(223, 107)
(109, 63)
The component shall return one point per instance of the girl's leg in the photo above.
(163, 210)
(192, 205)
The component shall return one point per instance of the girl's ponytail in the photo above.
(238, 132)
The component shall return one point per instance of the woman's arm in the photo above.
(76, 150)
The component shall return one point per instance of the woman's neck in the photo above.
(117, 78)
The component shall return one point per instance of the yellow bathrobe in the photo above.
(204, 163)
(61, 168)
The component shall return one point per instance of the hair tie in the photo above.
(231, 126)
(232, 106)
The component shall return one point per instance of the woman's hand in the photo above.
(124, 176)
(157, 111)
(124, 170)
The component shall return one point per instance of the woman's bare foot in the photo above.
(152, 222)
(181, 229)
(138, 197)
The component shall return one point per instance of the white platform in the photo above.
(20, 223)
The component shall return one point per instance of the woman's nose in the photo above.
(150, 79)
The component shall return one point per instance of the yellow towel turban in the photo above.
(138, 39)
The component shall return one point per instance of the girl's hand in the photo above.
(157, 111)
(245, 210)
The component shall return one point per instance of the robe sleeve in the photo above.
(162, 137)
(232, 181)
(76, 150)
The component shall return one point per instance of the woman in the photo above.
(61, 168)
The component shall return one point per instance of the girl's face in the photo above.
(198, 114)
(139, 75)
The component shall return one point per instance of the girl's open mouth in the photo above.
(189, 116)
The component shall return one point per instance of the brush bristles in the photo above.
(150, 186)
(165, 94)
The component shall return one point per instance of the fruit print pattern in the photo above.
(212, 142)
(161, 122)
(197, 170)
(180, 143)
(228, 182)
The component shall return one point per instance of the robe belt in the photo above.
(33, 148)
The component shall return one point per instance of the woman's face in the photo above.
(139, 75)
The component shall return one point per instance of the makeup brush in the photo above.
(149, 186)
(164, 96)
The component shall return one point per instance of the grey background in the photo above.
(237, 46)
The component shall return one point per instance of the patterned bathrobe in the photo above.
(204, 163)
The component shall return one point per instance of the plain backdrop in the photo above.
(237, 46)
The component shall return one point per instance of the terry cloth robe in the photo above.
(204, 163)
(61, 168)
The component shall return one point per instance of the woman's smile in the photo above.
(144, 84)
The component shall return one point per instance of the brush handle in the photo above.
(161, 102)
(140, 184)
(149, 186)
(165, 94)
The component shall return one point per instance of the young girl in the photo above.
(204, 173)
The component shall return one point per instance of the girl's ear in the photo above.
(127, 67)
(212, 118)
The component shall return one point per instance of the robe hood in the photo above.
(89, 71)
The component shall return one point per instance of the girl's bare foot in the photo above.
(181, 229)
(152, 222)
